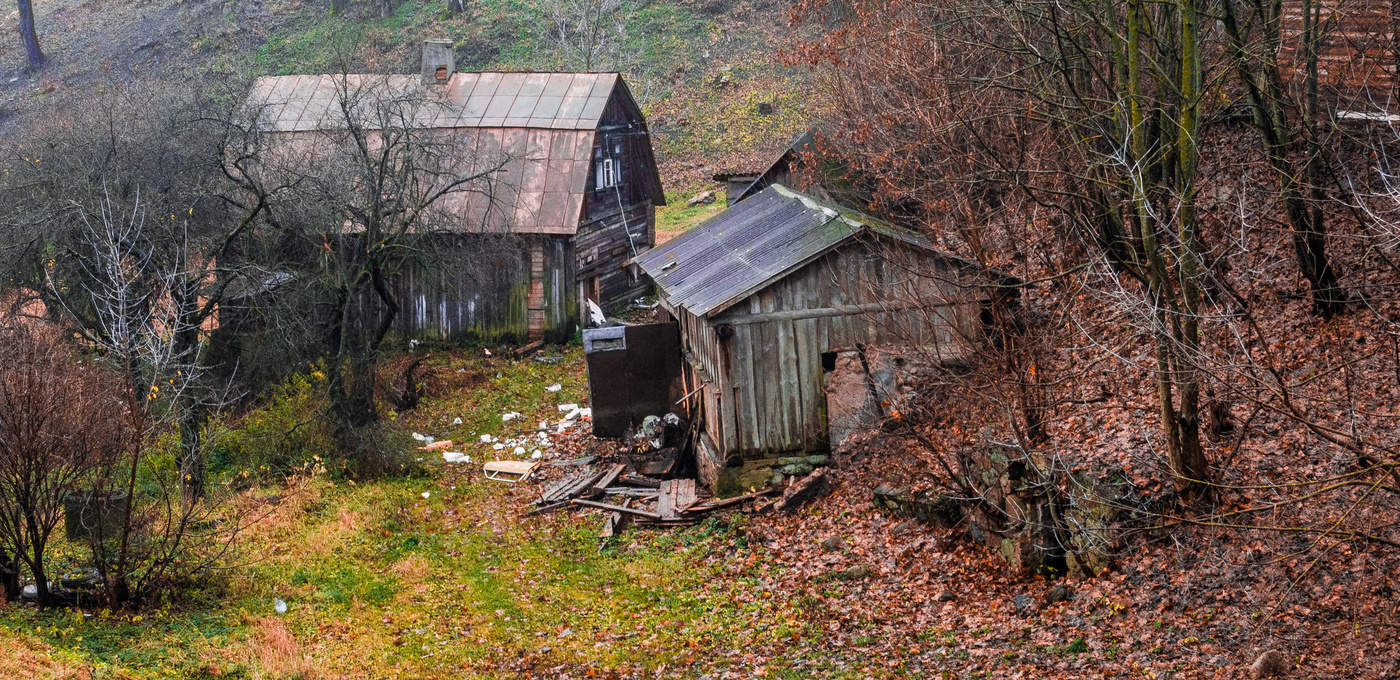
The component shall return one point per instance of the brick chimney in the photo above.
(438, 61)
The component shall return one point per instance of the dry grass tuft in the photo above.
(277, 653)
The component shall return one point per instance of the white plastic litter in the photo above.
(486, 439)
(455, 457)
(595, 314)
(279, 606)
(456, 421)
(498, 446)
(554, 388)
(585, 413)
(509, 416)
(565, 408)
(536, 455)
(420, 437)
(519, 451)
(426, 494)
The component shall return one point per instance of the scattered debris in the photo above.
(554, 388)
(702, 198)
(529, 349)
(442, 445)
(814, 485)
(279, 605)
(510, 470)
(652, 502)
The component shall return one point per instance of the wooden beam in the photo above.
(823, 312)
(616, 508)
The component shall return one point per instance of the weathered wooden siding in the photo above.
(618, 222)
(606, 243)
(491, 288)
(768, 375)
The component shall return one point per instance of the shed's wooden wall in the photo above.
(768, 377)
(491, 288)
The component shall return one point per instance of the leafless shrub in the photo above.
(61, 425)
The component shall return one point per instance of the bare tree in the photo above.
(60, 425)
(591, 35)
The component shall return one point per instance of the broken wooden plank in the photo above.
(684, 494)
(639, 480)
(612, 526)
(630, 492)
(729, 502)
(572, 489)
(611, 476)
(549, 507)
(666, 501)
(615, 508)
(527, 350)
(553, 489)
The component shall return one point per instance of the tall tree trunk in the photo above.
(1188, 462)
(28, 35)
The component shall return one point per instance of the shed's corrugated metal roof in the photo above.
(752, 244)
(540, 126)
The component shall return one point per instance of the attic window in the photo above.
(607, 173)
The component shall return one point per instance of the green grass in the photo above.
(381, 581)
(676, 217)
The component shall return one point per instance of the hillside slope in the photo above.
(700, 68)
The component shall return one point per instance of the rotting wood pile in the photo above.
(629, 496)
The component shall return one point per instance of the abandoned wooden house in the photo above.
(766, 295)
(577, 191)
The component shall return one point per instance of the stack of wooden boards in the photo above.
(647, 500)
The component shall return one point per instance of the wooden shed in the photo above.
(765, 295)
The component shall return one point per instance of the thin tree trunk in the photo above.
(1188, 463)
(28, 35)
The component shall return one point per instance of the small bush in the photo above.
(286, 433)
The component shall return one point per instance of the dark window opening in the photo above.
(828, 362)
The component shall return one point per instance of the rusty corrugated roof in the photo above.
(540, 126)
(753, 244)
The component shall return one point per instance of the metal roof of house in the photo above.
(539, 126)
(752, 244)
(556, 101)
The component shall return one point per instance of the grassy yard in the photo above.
(381, 581)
